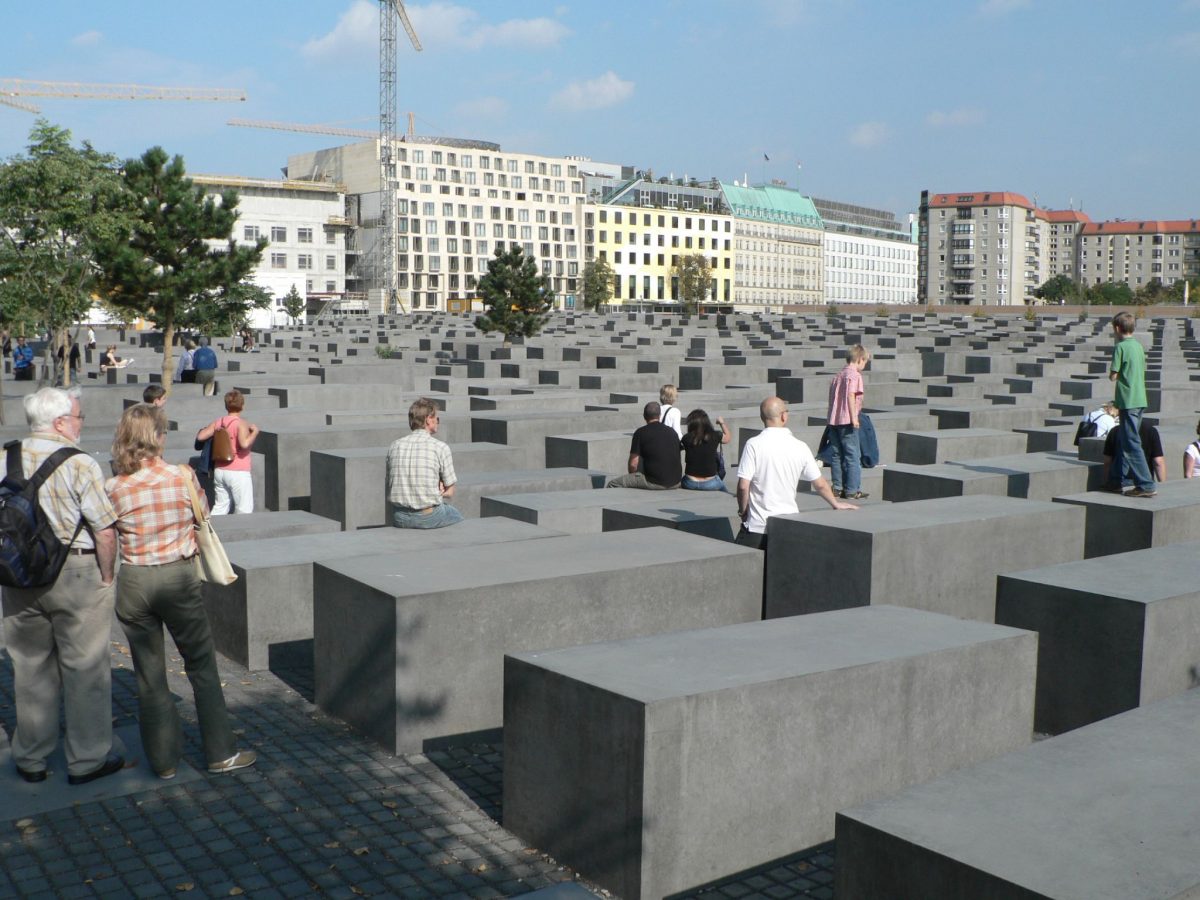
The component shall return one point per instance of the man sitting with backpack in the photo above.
(1097, 423)
(58, 602)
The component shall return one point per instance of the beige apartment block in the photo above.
(1138, 252)
(457, 201)
(1063, 227)
(980, 248)
(778, 248)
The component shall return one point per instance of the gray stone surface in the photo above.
(922, 448)
(1117, 524)
(656, 764)
(271, 602)
(270, 524)
(1106, 812)
(1115, 633)
(423, 658)
(940, 555)
(1031, 476)
(570, 511)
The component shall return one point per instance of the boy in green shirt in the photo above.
(1128, 370)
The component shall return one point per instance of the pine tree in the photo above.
(167, 266)
(516, 299)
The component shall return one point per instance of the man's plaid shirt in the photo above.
(154, 512)
(415, 465)
(75, 489)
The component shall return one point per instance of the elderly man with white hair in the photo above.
(57, 635)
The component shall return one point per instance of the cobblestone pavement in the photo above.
(324, 813)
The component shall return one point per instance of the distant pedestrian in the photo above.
(22, 361)
(671, 417)
(204, 359)
(185, 368)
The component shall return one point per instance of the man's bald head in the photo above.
(771, 411)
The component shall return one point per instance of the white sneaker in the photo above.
(241, 760)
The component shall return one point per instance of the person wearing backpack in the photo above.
(57, 633)
(232, 437)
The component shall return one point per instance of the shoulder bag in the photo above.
(213, 564)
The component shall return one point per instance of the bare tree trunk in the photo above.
(168, 367)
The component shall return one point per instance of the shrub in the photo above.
(383, 351)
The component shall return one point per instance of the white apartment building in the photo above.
(778, 257)
(457, 201)
(870, 257)
(306, 225)
(1138, 252)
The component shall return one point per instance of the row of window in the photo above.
(429, 208)
(303, 261)
(497, 163)
(279, 234)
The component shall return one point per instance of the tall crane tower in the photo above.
(71, 90)
(385, 264)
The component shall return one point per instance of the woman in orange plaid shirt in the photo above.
(158, 585)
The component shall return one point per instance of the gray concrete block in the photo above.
(657, 764)
(605, 451)
(922, 448)
(271, 602)
(1115, 633)
(1118, 524)
(1031, 476)
(424, 658)
(270, 524)
(571, 511)
(474, 486)
(350, 485)
(939, 555)
(1106, 812)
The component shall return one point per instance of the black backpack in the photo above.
(1087, 429)
(31, 555)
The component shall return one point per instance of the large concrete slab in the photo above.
(1106, 812)
(1031, 476)
(657, 764)
(1115, 633)
(1119, 524)
(423, 658)
(571, 511)
(271, 602)
(922, 448)
(939, 555)
(270, 524)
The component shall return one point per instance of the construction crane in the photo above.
(385, 267)
(339, 130)
(72, 90)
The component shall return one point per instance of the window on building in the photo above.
(250, 233)
(304, 261)
(278, 234)
(304, 235)
(278, 260)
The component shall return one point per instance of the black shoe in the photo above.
(114, 763)
(32, 777)
(857, 495)
(1112, 488)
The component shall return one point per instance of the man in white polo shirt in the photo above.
(771, 466)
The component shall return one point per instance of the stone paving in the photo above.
(324, 813)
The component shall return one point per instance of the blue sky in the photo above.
(1089, 102)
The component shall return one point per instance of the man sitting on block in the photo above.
(420, 473)
(655, 449)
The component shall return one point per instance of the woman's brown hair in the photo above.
(139, 436)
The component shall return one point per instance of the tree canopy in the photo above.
(597, 283)
(693, 275)
(166, 267)
(1060, 289)
(516, 298)
(293, 304)
(58, 203)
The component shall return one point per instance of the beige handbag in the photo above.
(212, 563)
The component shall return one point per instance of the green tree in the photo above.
(293, 304)
(168, 266)
(597, 283)
(1151, 292)
(225, 310)
(1110, 293)
(1059, 289)
(1175, 291)
(693, 280)
(516, 299)
(57, 204)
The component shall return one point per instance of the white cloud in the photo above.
(438, 26)
(869, 134)
(355, 32)
(482, 108)
(964, 115)
(606, 90)
(1188, 42)
(1003, 7)
(87, 39)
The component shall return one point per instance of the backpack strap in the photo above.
(14, 472)
(52, 462)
